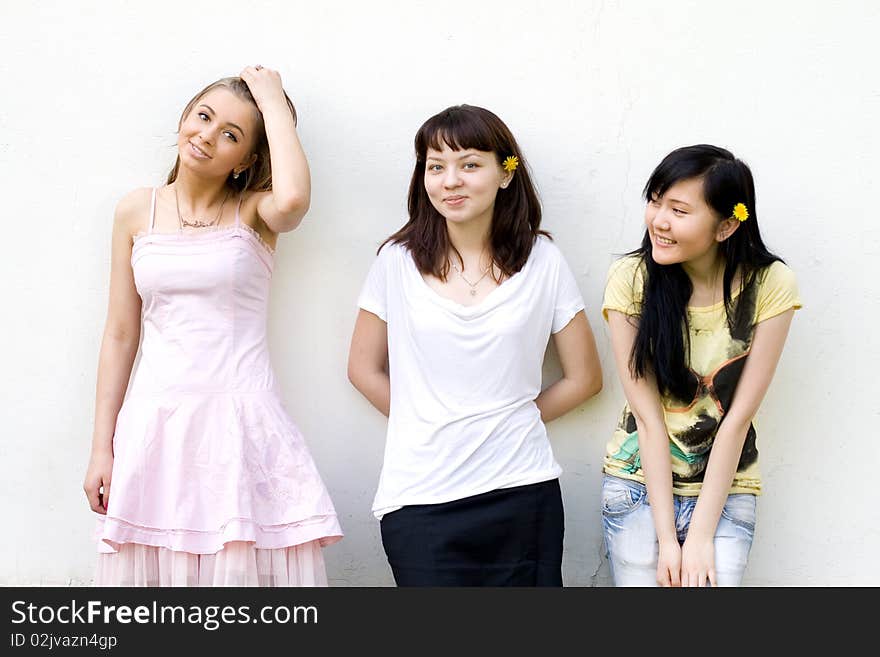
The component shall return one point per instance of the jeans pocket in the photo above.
(619, 497)
(741, 509)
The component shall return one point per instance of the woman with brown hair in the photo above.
(449, 342)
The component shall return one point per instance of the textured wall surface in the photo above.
(596, 93)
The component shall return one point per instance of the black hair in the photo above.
(662, 342)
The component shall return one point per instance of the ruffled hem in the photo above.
(195, 473)
(112, 533)
(237, 564)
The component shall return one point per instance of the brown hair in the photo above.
(516, 217)
(258, 176)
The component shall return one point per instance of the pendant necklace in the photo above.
(198, 223)
(473, 286)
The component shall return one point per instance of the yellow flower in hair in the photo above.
(510, 163)
(740, 212)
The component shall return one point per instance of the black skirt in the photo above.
(506, 537)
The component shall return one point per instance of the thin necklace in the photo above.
(198, 223)
(473, 285)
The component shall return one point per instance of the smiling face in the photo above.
(217, 136)
(682, 226)
(462, 184)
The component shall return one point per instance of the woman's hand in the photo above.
(669, 564)
(265, 86)
(97, 478)
(698, 561)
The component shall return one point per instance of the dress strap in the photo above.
(238, 210)
(152, 211)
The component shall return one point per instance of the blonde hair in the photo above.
(258, 176)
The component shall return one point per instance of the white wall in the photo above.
(596, 93)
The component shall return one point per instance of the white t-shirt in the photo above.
(464, 379)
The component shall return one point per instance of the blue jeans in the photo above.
(631, 540)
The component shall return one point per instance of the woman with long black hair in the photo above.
(698, 316)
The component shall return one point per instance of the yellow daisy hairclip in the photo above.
(740, 212)
(510, 163)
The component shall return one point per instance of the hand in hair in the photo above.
(265, 86)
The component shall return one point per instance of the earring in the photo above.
(235, 174)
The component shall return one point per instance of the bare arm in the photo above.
(368, 360)
(581, 370)
(118, 349)
(698, 555)
(282, 208)
(644, 402)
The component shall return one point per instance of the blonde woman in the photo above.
(198, 474)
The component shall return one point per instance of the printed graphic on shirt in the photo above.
(718, 354)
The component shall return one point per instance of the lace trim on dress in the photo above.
(210, 231)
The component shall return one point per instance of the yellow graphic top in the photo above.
(717, 356)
